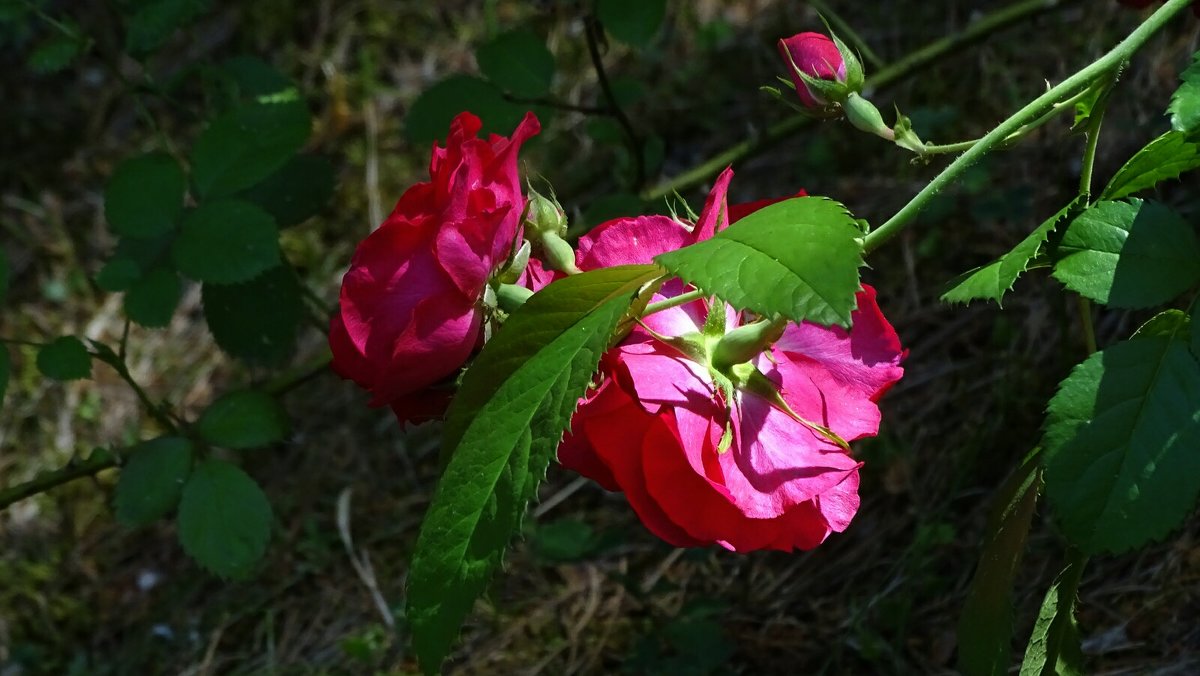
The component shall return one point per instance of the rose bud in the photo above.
(823, 69)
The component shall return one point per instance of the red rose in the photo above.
(814, 55)
(411, 310)
(745, 474)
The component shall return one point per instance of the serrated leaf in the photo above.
(1120, 444)
(144, 197)
(1131, 254)
(1169, 323)
(149, 26)
(65, 358)
(501, 433)
(986, 624)
(518, 62)
(1164, 158)
(249, 143)
(1185, 102)
(241, 420)
(54, 54)
(1054, 647)
(256, 320)
(296, 192)
(994, 280)
(797, 259)
(634, 22)
(429, 116)
(152, 299)
(226, 242)
(224, 519)
(152, 480)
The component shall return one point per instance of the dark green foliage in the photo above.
(225, 242)
(429, 117)
(633, 21)
(152, 480)
(256, 320)
(243, 419)
(65, 359)
(517, 62)
(144, 197)
(296, 192)
(224, 519)
(151, 300)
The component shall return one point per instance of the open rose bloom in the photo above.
(747, 474)
(411, 308)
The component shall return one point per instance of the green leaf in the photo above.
(151, 300)
(1185, 102)
(1120, 444)
(1054, 648)
(224, 519)
(149, 26)
(5, 370)
(249, 143)
(429, 116)
(994, 280)
(1169, 323)
(296, 192)
(144, 197)
(798, 259)
(518, 62)
(118, 274)
(253, 78)
(65, 359)
(258, 320)
(146, 254)
(1164, 158)
(632, 21)
(152, 479)
(1130, 254)
(54, 54)
(986, 624)
(563, 541)
(501, 432)
(226, 242)
(245, 419)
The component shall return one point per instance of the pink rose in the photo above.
(814, 55)
(654, 427)
(411, 310)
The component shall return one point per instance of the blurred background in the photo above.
(587, 590)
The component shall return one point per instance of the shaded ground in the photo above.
(588, 591)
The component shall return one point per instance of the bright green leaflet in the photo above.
(258, 320)
(247, 144)
(518, 62)
(226, 242)
(994, 280)
(986, 624)
(144, 197)
(151, 300)
(224, 519)
(1164, 158)
(635, 22)
(797, 259)
(1185, 102)
(1120, 444)
(245, 419)
(1130, 254)
(430, 115)
(65, 358)
(152, 480)
(1054, 647)
(501, 433)
(296, 192)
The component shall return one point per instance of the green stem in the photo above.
(97, 462)
(1087, 166)
(913, 62)
(1054, 112)
(681, 299)
(1107, 63)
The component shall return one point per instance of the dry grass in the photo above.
(76, 589)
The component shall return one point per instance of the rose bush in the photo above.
(657, 426)
(411, 306)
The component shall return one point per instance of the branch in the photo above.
(97, 462)
(594, 34)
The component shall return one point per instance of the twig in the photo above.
(560, 105)
(594, 35)
(899, 70)
(97, 462)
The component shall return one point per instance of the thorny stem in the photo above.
(594, 35)
(1055, 111)
(1086, 167)
(1105, 64)
(897, 71)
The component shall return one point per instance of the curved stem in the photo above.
(897, 71)
(594, 34)
(1107, 63)
(681, 299)
(1086, 168)
(1057, 109)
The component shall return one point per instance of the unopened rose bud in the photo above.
(746, 342)
(545, 214)
(865, 116)
(823, 69)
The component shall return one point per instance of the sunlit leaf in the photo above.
(1164, 158)
(1185, 102)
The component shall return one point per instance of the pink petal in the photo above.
(714, 216)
